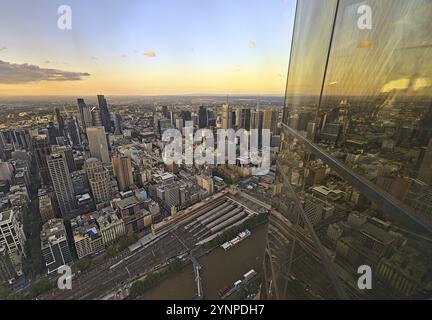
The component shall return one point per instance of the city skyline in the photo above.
(146, 48)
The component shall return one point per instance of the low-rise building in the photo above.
(54, 245)
(87, 238)
(111, 227)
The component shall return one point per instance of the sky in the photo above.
(142, 47)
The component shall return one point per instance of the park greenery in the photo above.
(82, 265)
(121, 245)
(6, 294)
(40, 286)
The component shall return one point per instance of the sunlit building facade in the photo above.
(353, 184)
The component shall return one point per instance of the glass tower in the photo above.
(352, 205)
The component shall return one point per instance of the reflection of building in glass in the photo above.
(353, 172)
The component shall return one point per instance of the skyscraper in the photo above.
(98, 144)
(122, 167)
(202, 117)
(42, 150)
(68, 153)
(73, 132)
(96, 117)
(53, 133)
(226, 116)
(361, 82)
(62, 184)
(270, 120)
(99, 181)
(60, 121)
(104, 113)
(85, 114)
(118, 124)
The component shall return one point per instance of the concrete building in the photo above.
(98, 144)
(54, 245)
(7, 271)
(12, 235)
(68, 153)
(111, 227)
(87, 238)
(132, 213)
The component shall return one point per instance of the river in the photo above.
(220, 268)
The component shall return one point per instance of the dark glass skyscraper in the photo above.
(104, 113)
(202, 117)
(353, 188)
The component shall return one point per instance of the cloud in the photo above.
(3, 48)
(47, 61)
(252, 44)
(23, 73)
(95, 58)
(124, 56)
(150, 54)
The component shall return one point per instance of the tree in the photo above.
(40, 287)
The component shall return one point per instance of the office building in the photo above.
(12, 235)
(62, 183)
(202, 117)
(99, 180)
(68, 154)
(54, 245)
(104, 113)
(111, 227)
(46, 208)
(85, 115)
(7, 271)
(346, 84)
(118, 124)
(73, 132)
(60, 121)
(87, 239)
(42, 150)
(98, 144)
(227, 120)
(122, 167)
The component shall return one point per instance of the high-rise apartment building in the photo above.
(122, 167)
(62, 183)
(99, 180)
(357, 77)
(98, 144)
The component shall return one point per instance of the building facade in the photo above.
(359, 81)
